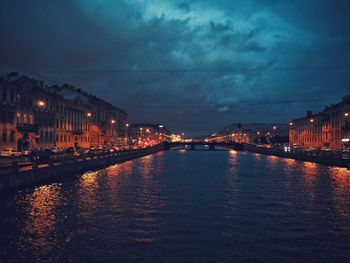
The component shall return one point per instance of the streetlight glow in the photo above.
(112, 121)
(88, 114)
(41, 103)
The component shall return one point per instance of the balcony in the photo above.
(77, 132)
(26, 127)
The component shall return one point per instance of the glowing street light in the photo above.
(291, 124)
(274, 127)
(346, 114)
(312, 120)
(89, 114)
(112, 121)
(127, 125)
(41, 103)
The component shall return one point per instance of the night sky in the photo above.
(194, 66)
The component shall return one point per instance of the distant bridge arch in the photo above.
(210, 145)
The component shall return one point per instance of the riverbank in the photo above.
(30, 173)
(321, 157)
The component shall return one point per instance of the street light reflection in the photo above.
(40, 233)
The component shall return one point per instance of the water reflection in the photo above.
(272, 160)
(150, 200)
(215, 203)
(40, 232)
(309, 171)
(341, 179)
(290, 164)
(88, 198)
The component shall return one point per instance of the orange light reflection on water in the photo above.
(341, 179)
(40, 233)
(289, 163)
(88, 192)
(310, 171)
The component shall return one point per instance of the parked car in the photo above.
(9, 152)
(56, 150)
(84, 150)
(99, 148)
(25, 153)
(70, 150)
(116, 148)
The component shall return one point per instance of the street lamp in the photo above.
(312, 120)
(112, 121)
(89, 114)
(291, 124)
(127, 125)
(41, 103)
(346, 114)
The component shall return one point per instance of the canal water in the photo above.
(184, 206)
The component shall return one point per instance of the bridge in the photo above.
(210, 144)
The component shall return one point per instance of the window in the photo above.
(4, 137)
(24, 118)
(12, 136)
(18, 117)
(31, 119)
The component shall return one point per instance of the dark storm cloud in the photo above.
(186, 7)
(194, 65)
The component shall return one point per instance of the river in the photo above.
(183, 206)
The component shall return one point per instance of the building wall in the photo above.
(328, 129)
(34, 117)
(24, 123)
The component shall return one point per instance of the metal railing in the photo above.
(19, 164)
(343, 155)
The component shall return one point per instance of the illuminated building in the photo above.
(27, 117)
(142, 133)
(257, 133)
(328, 129)
(34, 116)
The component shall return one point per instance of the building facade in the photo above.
(34, 116)
(329, 129)
(147, 133)
(253, 132)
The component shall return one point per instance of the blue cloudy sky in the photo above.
(193, 65)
